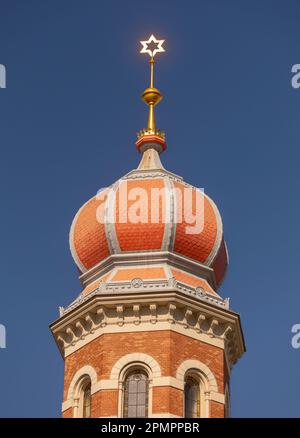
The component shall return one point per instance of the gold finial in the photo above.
(152, 96)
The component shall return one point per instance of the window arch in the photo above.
(207, 384)
(83, 407)
(192, 397)
(85, 378)
(136, 393)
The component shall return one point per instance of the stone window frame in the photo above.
(207, 383)
(85, 375)
(128, 362)
(131, 369)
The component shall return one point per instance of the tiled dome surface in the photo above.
(91, 241)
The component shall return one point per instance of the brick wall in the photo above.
(168, 348)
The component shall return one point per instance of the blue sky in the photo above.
(69, 116)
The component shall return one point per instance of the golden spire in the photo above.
(152, 96)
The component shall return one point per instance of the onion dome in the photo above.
(93, 240)
(150, 212)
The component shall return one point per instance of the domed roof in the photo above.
(149, 210)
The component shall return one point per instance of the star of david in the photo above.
(152, 46)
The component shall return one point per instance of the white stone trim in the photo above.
(226, 270)
(110, 212)
(106, 384)
(74, 396)
(67, 405)
(168, 381)
(196, 277)
(150, 159)
(174, 218)
(191, 364)
(112, 274)
(145, 327)
(217, 397)
(134, 358)
(81, 267)
(127, 362)
(102, 314)
(120, 287)
(85, 370)
(137, 258)
(207, 384)
(210, 259)
(140, 174)
(169, 220)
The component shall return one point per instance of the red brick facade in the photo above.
(168, 348)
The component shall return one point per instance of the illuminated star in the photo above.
(152, 46)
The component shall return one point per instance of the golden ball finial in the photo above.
(152, 96)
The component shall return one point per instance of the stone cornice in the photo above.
(168, 310)
(152, 173)
(137, 286)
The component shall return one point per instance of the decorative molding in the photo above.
(153, 313)
(140, 258)
(102, 321)
(120, 312)
(86, 370)
(136, 282)
(193, 364)
(172, 282)
(137, 285)
(152, 174)
(149, 311)
(136, 311)
(172, 309)
(187, 316)
(206, 380)
(131, 358)
(200, 319)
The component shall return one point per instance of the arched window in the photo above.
(136, 394)
(83, 398)
(191, 397)
(86, 400)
